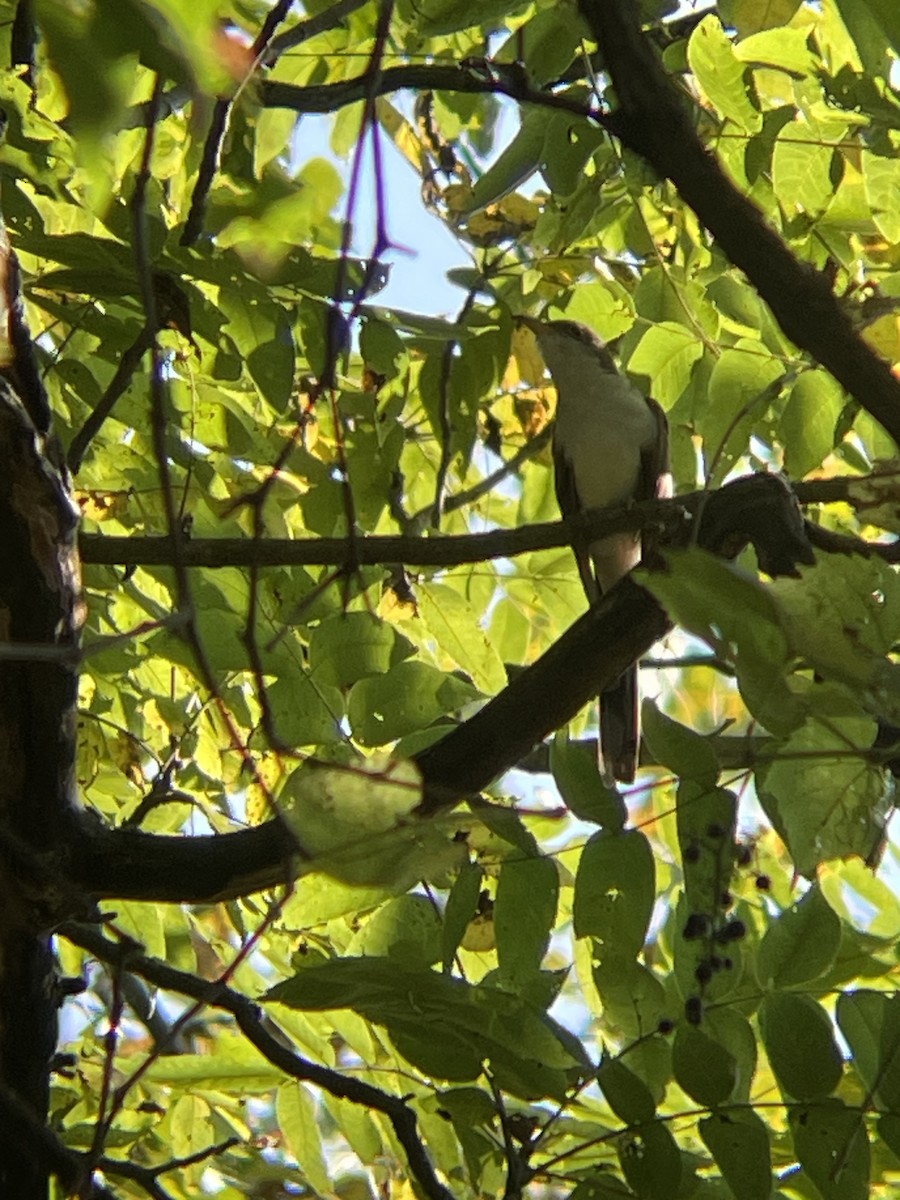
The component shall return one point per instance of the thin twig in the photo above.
(148, 1177)
(255, 1028)
(111, 1041)
(128, 364)
(322, 22)
(531, 449)
(444, 420)
(336, 321)
(195, 1009)
(218, 126)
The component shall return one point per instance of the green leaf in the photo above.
(870, 1021)
(626, 1094)
(861, 899)
(358, 1127)
(351, 646)
(666, 354)
(704, 969)
(712, 59)
(734, 1032)
(233, 1064)
(96, 83)
(633, 997)
(407, 929)
(614, 891)
(809, 422)
(187, 1127)
(514, 165)
(740, 620)
(304, 712)
(381, 347)
(295, 1111)
(547, 43)
(800, 1044)
(739, 1142)
(262, 332)
(705, 820)
(144, 922)
(524, 914)
(409, 696)
(462, 905)
(455, 628)
(603, 306)
(842, 616)
(831, 1143)
(785, 48)
(581, 786)
(353, 821)
(328, 804)
(634, 1000)
(872, 19)
(741, 387)
(569, 144)
(748, 17)
(703, 1067)
(436, 17)
(673, 745)
(602, 1186)
(442, 1025)
(801, 944)
(802, 165)
(317, 899)
(651, 1162)
(889, 1131)
(882, 179)
(825, 800)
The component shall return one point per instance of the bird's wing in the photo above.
(570, 506)
(655, 480)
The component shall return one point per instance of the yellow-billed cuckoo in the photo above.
(610, 445)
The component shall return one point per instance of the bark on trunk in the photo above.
(40, 618)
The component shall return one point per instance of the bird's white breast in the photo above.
(603, 424)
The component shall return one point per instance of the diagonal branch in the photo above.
(322, 22)
(127, 863)
(129, 363)
(218, 126)
(652, 121)
(258, 1031)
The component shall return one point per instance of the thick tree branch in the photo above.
(471, 75)
(865, 493)
(130, 864)
(652, 120)
(451, 550)
(38, 1142)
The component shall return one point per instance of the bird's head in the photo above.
(563, 344)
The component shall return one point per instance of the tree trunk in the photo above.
(40, 617)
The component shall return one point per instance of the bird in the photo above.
(610, 446)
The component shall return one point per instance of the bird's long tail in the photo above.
(620, 729)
